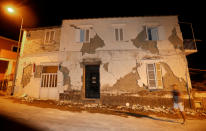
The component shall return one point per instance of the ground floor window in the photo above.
(49, 76)
(154, 76)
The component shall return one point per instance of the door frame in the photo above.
(57, 87)
(84, 83)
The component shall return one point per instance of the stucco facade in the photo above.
(133, 56)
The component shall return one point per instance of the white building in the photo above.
(107, 60)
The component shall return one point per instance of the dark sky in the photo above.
(38, 13)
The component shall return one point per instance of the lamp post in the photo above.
(11, 10)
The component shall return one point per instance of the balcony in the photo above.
(189, 46)
(7, 54)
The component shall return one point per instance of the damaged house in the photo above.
(110, 61)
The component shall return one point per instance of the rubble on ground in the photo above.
(97, 106)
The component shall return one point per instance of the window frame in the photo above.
(147, 33)
(155, 75)
(16, 47)
(119, 33)
(84, 39)
(49, 37)
(46, 80)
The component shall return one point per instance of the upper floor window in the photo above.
(14, 48)
(82, 35)
(152, 33)
(49, 37)
(118, 34)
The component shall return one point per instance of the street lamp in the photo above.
(11, 10)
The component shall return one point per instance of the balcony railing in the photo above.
(7, 54)
(189, 46)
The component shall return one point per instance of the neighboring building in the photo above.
(8, 54)
(108, 60)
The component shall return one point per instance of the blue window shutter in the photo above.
(82, 35)
(154, 33)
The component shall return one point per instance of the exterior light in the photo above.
(10, 10)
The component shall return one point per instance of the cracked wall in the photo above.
(34, 42)
(105, 66)
(27, 74)
(175, 40)
(125, 84)
(66, 77)
(90, 48)
(141, 42)
(170, 78)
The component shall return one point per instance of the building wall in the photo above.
(34, 41)
(122, 64)
(7, 56)
(120, 60)
(7, 44)
(35, 53)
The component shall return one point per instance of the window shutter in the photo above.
(87, 35)
(51, 36)
(47, 37)
(159, 76)
(151, 76)
(161, 33)
(154, 33)
(149, 33)
(121, 34)
(116, 34)
(82, 39)
(77, 36)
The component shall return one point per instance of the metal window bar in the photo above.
(49, 80)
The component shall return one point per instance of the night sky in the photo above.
(39, 13)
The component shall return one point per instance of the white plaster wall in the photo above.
(121, 56)
(32, 89)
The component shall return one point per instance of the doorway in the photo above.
(92, 83)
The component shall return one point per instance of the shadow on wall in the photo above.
(8, 124)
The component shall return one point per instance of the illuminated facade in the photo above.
(105, 60)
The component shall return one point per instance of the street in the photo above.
(16, 116)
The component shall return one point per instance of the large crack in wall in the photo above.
(169, 79)
(27, 74)
(105, 66)
(90, 48)
(141, 42)
(126, 84)
(175, 40)
(66, 78)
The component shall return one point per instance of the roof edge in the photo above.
(8, 39)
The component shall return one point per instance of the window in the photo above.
(118, 34)
(49, 76)
(152, 33)
(154, 76)
(82, 35)
(49, 37)
(14, 48)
